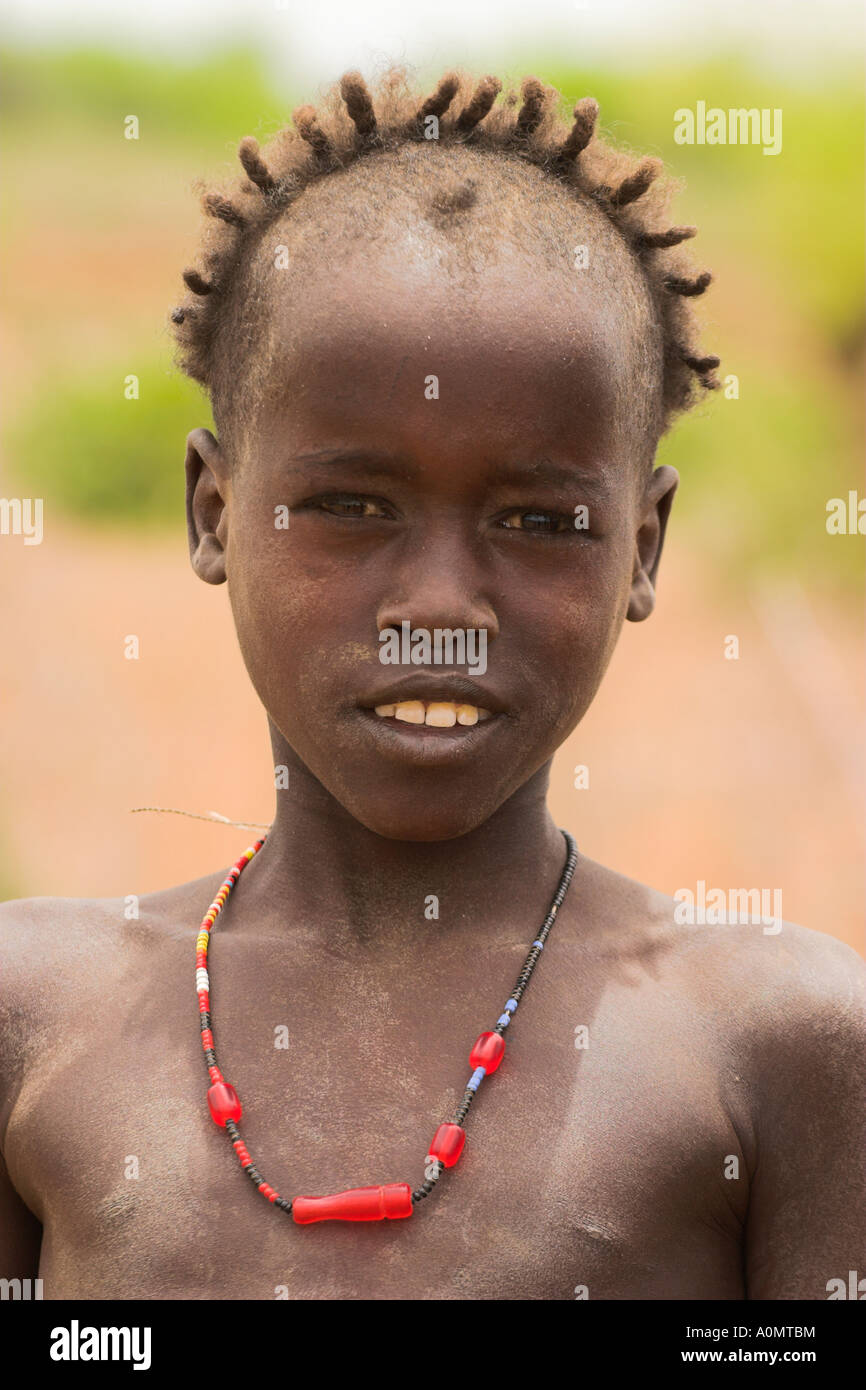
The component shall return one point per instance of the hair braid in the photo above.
(672, 237)
(308, 128)
(439, 101)
(215, 205)
(359, 105)
(585, 117)
(196, 282)
(535, 101)
(679, 284)
(637, 183)
(256, 168)
(477, 108)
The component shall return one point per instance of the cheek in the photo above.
(273, 605)
(280, 576)
(298, 627)
(569, 632)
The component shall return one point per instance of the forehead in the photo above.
(383, 335)
(492, 310)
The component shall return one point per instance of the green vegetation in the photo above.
(99, 455)
(176, 102)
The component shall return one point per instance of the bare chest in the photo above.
(594, 1165)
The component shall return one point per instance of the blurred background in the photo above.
(741, 773)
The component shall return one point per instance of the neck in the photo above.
(321, 870)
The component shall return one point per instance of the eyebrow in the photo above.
(367, 459)
(542, 470)
(568, 475)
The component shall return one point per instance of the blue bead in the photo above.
(476, 1079)
(539, 944)
(511, 1006)
(503, 1020)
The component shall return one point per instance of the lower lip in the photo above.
(425, 743)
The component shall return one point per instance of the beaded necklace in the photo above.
(391, 1200)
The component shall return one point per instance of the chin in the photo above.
(423, 822)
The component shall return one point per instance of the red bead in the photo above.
(488, 1052)
(224, 1104)
(447, 1144)
(356, 1204)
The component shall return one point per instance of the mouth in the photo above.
(432, 719)
(434, 714)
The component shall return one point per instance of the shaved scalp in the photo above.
(365, 175)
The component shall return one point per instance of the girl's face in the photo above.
(448, 453)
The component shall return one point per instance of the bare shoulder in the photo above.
(768, 988)
(41, 939)
(66, 932)
(58, 956)
(804, 1016)
(783, 980)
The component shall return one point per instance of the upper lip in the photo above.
(442, 688)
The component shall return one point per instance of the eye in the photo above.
(539, 522)
(350, 505)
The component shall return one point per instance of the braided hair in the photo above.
(461, 114)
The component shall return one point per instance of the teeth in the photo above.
(410, 711)
(441, 715)
(438, 714)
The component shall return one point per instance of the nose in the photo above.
(439, 583)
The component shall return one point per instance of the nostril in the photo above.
(429, 611)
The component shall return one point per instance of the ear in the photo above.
(207, 487)
(657, 501)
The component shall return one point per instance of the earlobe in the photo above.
(649, 541)
(206, 478)
(642, 599)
